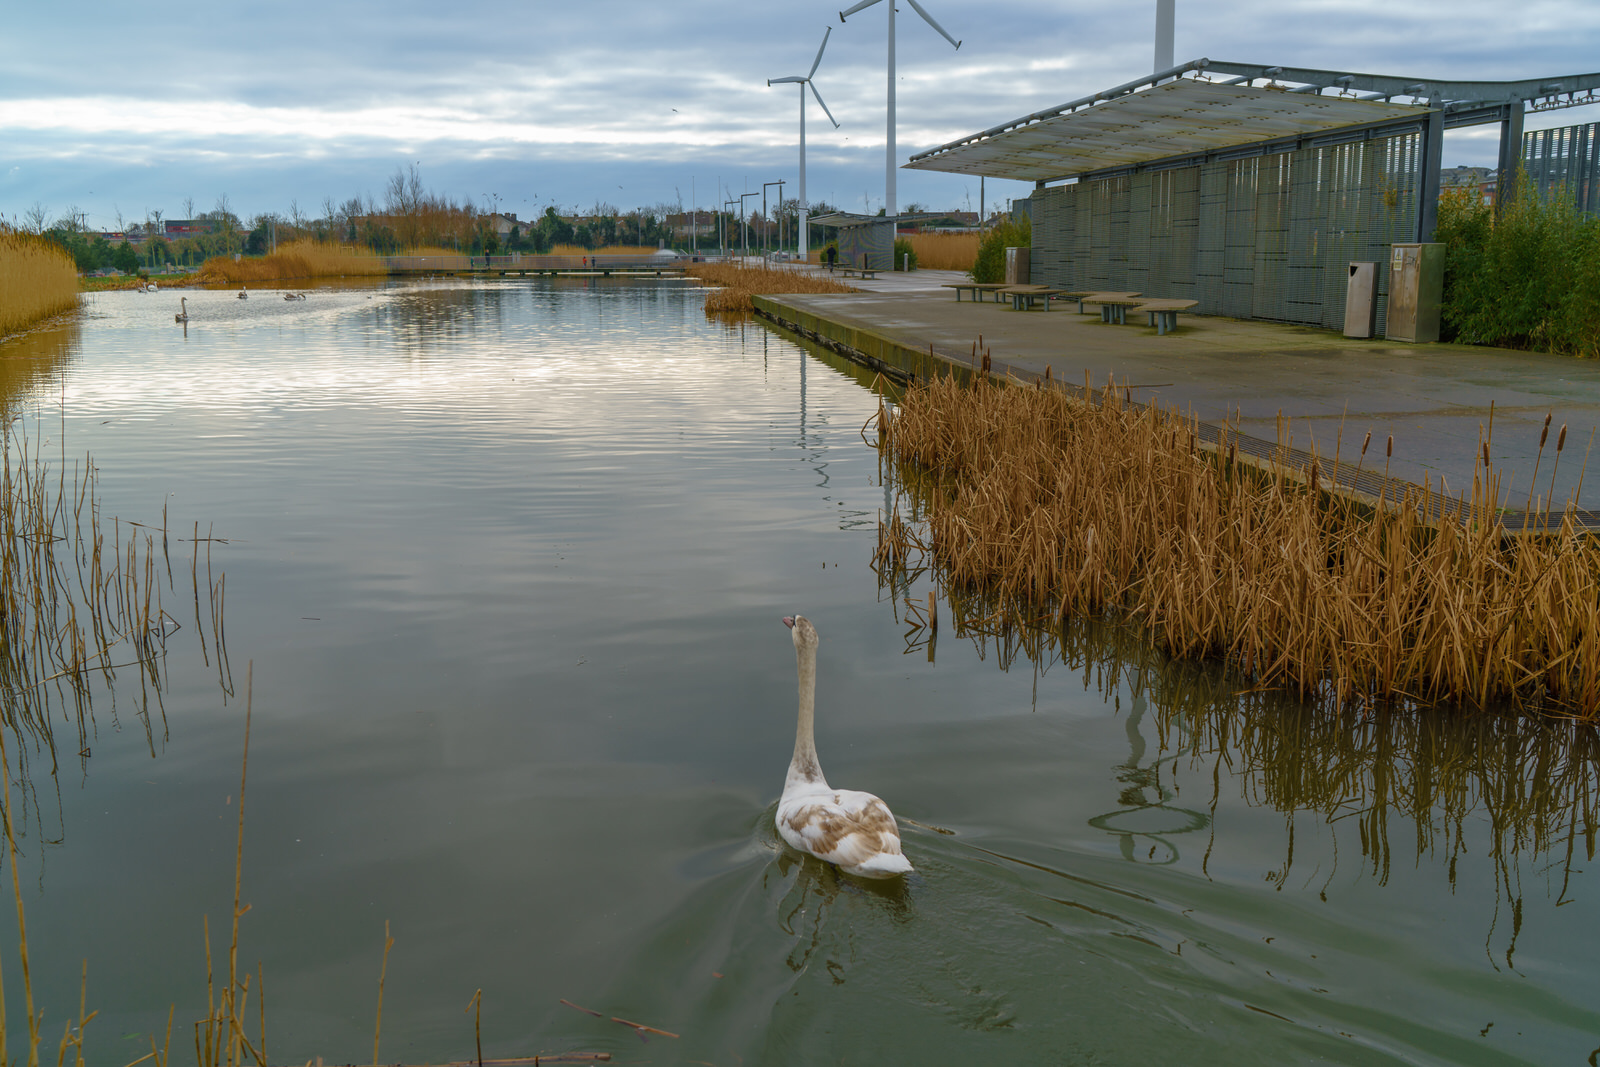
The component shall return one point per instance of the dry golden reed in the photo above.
(944, 251)
(736, 284)
(301, 259)
(1054, 506)
(37, 279)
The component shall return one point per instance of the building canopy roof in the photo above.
(1188, 110)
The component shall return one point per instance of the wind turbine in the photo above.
(803, 82)
(889, 200)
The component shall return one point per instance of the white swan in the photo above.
(182, 316)
(854, 830)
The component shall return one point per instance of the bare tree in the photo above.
(37, 218)
(188, 207)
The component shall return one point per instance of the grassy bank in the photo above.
(737, 284)
(162, 281)
(1057, 508)
(37, 280)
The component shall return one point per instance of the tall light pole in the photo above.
(766, 220)
(889, 194)
(744, 234)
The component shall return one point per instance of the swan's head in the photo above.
(804, 634)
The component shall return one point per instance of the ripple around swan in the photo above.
(509, 559)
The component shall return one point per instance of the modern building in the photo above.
(1246, 187)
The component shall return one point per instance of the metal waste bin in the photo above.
(1017, 265)
(1361, 301)
(1416, 288)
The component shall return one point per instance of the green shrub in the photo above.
(902, 249)
(1527, 279)
(990, 265)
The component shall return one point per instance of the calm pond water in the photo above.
(509, 561)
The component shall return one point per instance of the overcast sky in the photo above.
(127, 107)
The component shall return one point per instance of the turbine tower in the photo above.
(1165, 17)
(889, 200)
(805, 229)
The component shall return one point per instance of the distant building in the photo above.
(176, 229)
(1483, 179)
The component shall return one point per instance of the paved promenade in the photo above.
(1432, 398)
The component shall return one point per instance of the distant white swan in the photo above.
(852, 829)
(182, 316)
(243, 295)
(151, 288)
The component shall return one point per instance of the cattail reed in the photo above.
(736, 284)
(1054, 507)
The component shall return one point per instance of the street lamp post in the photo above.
(766, 224)
(744, 232)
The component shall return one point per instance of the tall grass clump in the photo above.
(1529, 278)
(990, 264)
(737, 283)
(37, 280)
(944, 251)
(1057, 507)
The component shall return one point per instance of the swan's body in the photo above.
(151, 288)
(182, 316)
(294, 296)
(243, 294)
(846, 827)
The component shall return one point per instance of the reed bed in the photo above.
(37, 280)
(302, 259)
(1056, 507)
(736, 284)
(944, 251)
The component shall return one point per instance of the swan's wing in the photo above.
(842, 826)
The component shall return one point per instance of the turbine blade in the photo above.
(859, 7)
(780, 81)
(818, 61)
(929, 20)
(825, 110)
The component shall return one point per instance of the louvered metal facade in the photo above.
(1267, 236)
(1570, 157)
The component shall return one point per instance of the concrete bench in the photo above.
(1164, 313)
(1094, 297)
(869, 273)
(976, 288)
(1113, 306)
(1025, 297)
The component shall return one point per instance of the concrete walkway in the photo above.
(1432, 398)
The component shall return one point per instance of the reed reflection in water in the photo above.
(1409, 784)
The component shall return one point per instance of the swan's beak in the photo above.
(789, 622)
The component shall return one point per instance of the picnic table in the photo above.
(1023, 297)
(978, 289)
(1164, 313)
(1113, 306)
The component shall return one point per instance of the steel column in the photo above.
(1510, 157)
(1428, 180)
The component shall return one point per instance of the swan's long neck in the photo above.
(804, 766)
